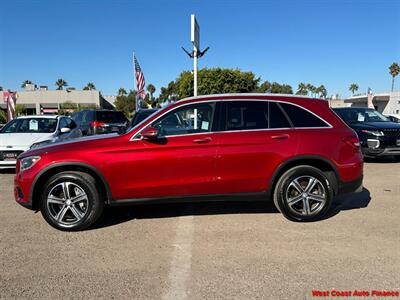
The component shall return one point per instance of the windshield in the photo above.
(361, 115)
(141, 115)
(30, 125)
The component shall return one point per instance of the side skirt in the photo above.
(261, 196)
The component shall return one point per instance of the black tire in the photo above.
(72, 216)
(287, 191)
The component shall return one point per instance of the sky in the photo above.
(328, 42)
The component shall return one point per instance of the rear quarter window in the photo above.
(301, 117)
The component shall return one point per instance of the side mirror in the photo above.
(65, 130)
(150, 133)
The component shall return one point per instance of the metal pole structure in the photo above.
(195, 70)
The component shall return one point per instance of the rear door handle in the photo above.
(280, 137)
(203, 140)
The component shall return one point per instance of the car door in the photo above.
(181, 161)
(255, 138)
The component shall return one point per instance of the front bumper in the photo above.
(368, 152)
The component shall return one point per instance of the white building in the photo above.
(43, 101)
(385, 103)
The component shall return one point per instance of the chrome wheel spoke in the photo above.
(311, 184)
(294, 200)
(65, 187)
(297, 186)
(61, 213)
(315, 197)
(55, 200)
(78, 198)
(306, 207)
(77, 213)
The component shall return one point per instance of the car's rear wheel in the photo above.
(303, 193)
(70, 201)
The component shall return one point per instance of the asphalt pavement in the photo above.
(224, 250)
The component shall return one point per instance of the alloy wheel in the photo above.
(305, 195)
(67, 203)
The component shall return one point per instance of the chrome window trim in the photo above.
(135, 136)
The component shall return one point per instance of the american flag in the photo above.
(10, 99)
(140, 83)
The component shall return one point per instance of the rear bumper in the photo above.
(354, 186)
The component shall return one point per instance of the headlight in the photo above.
(373, 132)
(28, 162)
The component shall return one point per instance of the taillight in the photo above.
(353, 142)
(97, 124)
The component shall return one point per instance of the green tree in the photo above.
(3, 116)
(122, 92)
(20, 110)
(277, 88)
(265, 87)
(1, 88)
(394, 70)
(90, 86)
(168, 92)
(321, 91)
(213, 81)
(126, 103)
(353, 88)
(25, 82)
(302, 89)
(60, 83)
(151, 89)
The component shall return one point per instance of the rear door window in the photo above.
(246, 115)
(301, 117)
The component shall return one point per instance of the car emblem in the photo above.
(398, 143)
(9, 146)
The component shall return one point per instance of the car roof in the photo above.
(251, 96)
(40, 116)
(352, 108)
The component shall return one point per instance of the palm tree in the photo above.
(311, 89)
(90, 86)
(394, 70)
(301, 89)
(60, 83)
(25, 82)
(122, 92)
(321, 91)
(353, 88)
(151, 89)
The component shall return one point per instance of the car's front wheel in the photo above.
(70, 201)
(303, 193)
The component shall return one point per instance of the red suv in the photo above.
(295, 150)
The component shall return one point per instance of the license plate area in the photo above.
(4, 156)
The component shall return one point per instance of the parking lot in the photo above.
(220, 250)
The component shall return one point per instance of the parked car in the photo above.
(142, 115)
(25, 132)
(393, 118)
(99, 121)
(293, 149)
(378, 135)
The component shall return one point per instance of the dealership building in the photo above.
(385, 103)
(43, 101)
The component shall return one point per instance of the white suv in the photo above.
(25, 132)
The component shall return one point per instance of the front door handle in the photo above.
(280, 137)
(203, 140)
